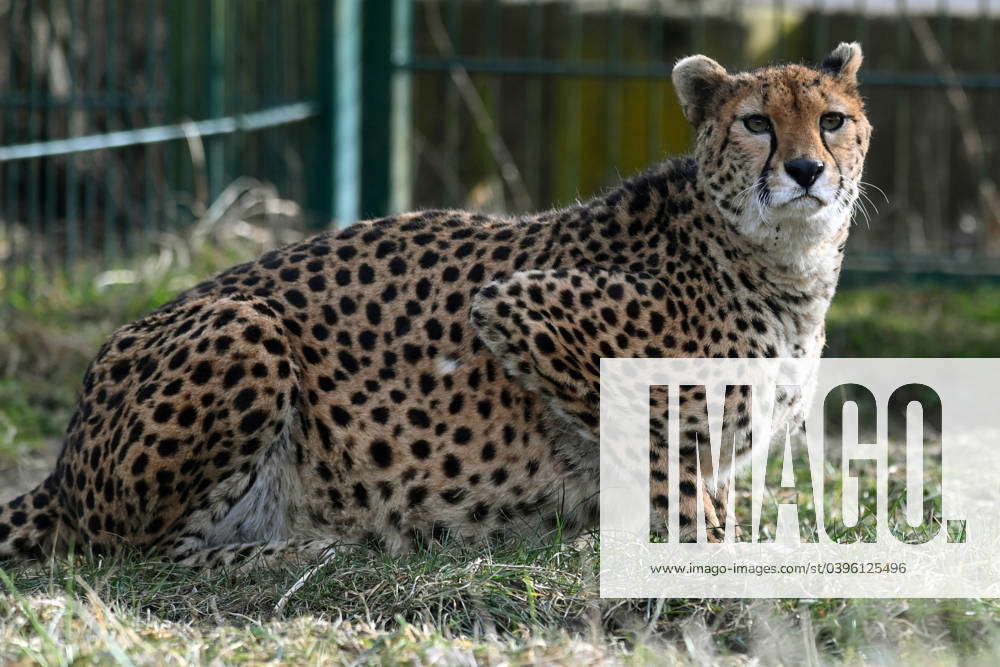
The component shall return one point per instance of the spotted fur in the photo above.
(436, 372)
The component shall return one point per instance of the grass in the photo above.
(449, 601)
(454, 605)
(50, 328)
(901, 321)
(49, 336)
(504, 604)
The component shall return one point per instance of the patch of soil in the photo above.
(25, 473)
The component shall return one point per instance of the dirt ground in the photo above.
(29, 470)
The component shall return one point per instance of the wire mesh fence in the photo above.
(579, 93)
(120, 120)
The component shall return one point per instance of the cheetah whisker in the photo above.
(863, 202)
(854, 208)
(867, 198)
(744, 195)
(866, 184)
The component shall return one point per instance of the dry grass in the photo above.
(453, 606)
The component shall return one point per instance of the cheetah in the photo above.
(436, 373)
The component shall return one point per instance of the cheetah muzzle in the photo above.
(437, 372)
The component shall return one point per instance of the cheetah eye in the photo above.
(831, 121)
(757, 124)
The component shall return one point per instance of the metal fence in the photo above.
(122, 119)
(578, 93)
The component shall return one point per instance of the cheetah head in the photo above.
(780, 149)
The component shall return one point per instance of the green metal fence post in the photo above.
(334, 190)
(401, 182)
(386, 108)
(348, 110)
(377, 107)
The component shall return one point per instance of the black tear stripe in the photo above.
(766, 191)
(767, 166)
(836, 162)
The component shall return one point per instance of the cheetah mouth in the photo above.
(806, 200)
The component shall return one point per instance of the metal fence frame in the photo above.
(362, 108)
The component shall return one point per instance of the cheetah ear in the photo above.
(844, 62)
(696, 79)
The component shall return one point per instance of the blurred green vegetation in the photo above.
(912, 321)
(50, 329)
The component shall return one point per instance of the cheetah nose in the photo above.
(804, 171)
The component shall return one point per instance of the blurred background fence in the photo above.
(122, 121)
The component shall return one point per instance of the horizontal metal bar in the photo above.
(88, 101)
(248, 122)
(852, 277)
(540, 67)
(866, 267)
(652, 70)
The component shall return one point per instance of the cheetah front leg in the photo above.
(714, 505)
(551, 329)
(250, 556)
